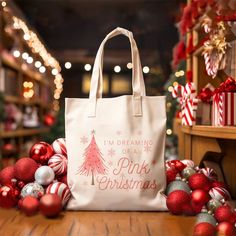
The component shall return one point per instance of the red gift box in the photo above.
(224, 104)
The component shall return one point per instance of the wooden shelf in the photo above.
(226, 132)
(23, 132)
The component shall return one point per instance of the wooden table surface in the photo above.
(14, 223)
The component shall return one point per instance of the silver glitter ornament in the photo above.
(205, 217)
(187, 172)
(32, 189)
(213, 204)
(44, 175)
(177, 185)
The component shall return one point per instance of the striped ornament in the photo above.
(59, 146)
(188, 101)
(58, 163)
(210, 173)
(61, 189)
(219, 193)
(188, 163)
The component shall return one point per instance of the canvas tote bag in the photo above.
(116, 145)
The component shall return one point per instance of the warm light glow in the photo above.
(117, 69)
(25, 55)
(146, 69)
(68, 65)
(37, 64)
(4, 4)
(129, 65)
(42, 69)
(87, 67)
(175, 83)
(170, 88)
(26, 37)
(30, 85)
(179, 73)
(168, 104)
(30, 60)
(169, 131)
(59, 86)
(25, 84)
(16, 53)
(54, 71)
(56, 96)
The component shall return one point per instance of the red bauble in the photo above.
(171, 174)
(223, 213)
(225, 228)
(176, 164)
(29, 205)
(199, 197)
(41, 152)
(62, 179)
(19, 204)
(176, 200)
(188, 210)
(25, 169)
(199, 181)
(49, 120)
(8, 196)
(204, 229)
(50, 205)
(6, 175)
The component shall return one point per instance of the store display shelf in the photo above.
(23, 132)
(225, 132)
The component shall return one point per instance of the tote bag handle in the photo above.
(138, 86)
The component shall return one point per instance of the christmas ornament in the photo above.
(41, 152)
(188, 163)
(6, 175)
(44, 175)
(33, 190)
(171, 174)
(210, 173)
(8, 196)
(61, 190)
(25, 169)
(205, 217)
(213, 204)
(204, 229)
(225, 228)
(199, 197)
(178, 165)
(58, 163)
(187, 172)
(29, 205)
(199, 181)
(219, 184)
(20, 184)
(177, 185)
(49, 120)
(219, 193)
(50, 205)
(188, 210)
(223, 213)
(59, 146)
(176, 200)
(19, 204)
(62, 179)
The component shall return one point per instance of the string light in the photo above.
(25, 55)
(129, 65)
(26, 36)
(170, 88)
(179, 73)
(175, 83)
(54, 71)
(87, 67)
(117, 69)
(4, 4)
(16, 53)
(169, 131)
(30, 60)
(68, 65)
(37, 64)
(146, 69)
(42, 69)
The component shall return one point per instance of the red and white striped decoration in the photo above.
(58, 163)
(219, 193)
(188, 163)
(188, 101)
(59, 146)
(210, 173)
(61, 190)
(211, 67)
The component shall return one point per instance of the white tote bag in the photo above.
(116, 145)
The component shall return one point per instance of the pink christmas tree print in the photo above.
(93, 160)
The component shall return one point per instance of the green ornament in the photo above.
(205, 217)
(213, 204)
(187, 172)
(177, 185)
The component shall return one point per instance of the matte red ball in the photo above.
(225, 228)
(204, 229)
(199, 197)
(8, 196)
(41, 152)
(50, 205)
(25, 169)
(6, 175)
(223, 213)
(199, 181)
(176, 200)
(30, 205)
(171, 174)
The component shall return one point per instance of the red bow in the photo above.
(228, 86)
(205, 95)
